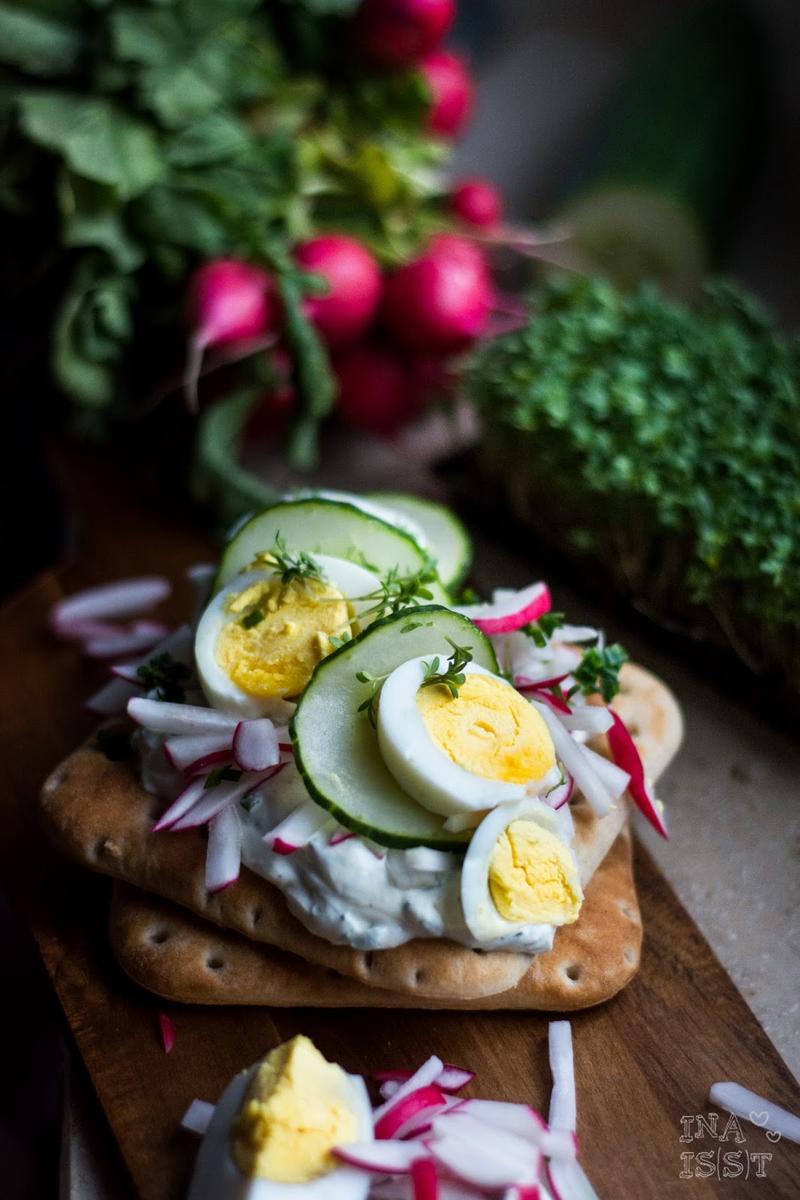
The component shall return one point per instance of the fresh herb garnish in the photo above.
(598, 671)
(397, 591)
(167, 677)
(293, 566)
(542, 630)
(370, 705)
(410, 626)
(221, 775)
(452, 677)
(253, 618)
(339, 640)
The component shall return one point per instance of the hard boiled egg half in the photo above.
(520, 878)
(260, 638)
(274, 1129)
(465, 753)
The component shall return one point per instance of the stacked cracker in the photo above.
(244, 946)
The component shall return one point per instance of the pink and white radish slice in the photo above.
(512, 612)
(224, 853)
(159, 716)
(297, 830)
(627, 757)
(427, 1074)
(194, 751)
(143, 635)
(578, 764)
(410, 1112)
(255, 745)
(108, 602)
(112, 698)
(563, 1108)
(387, 1157)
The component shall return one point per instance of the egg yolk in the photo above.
(277, 633)
(294, 1113)
(489, 729)
(532, 877)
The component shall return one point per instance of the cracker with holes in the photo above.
(336, 788)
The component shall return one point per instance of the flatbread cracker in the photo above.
(98, 813)
(181, 957)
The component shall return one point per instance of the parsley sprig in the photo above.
(452, 677)
(293, 566)
(166, 676)
(598, 671)
(542, 630)
(397, 591)
(370, 705)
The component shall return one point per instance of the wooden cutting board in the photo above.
(644, 1061)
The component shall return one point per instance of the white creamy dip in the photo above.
(350, 892)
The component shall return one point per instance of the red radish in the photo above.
(523, 684)
(561, 795)
(450, 1079)
(109, 601)
(562, 1113)
(424, 1099)
(484, 1163)
(568, 1180)
(215, 798)
(228, 301)
(452, 92)
(385, 1158)
(224, 854)
(160, 716)
(341, 835)
(625, 755)
(422, 1077)
(296, 830)
(182, 804)
(423, 1178)
(395, 33)
(129, 671)
(186, 751)
(477, 202)
(255, 745)
(377, 394)
(203, 764)
(354, 286)
(441, 300)
(167, 1029)
(514, 611)
(143, 635)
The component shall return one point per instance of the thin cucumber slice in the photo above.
(318, 526)
(335, 747)
(446, 537)
(369, 504)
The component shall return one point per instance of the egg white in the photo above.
(420, 766)
(352, 580)
(481, 917)
(217, 1177)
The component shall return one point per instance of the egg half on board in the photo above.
(283, 1116)
(259, 638)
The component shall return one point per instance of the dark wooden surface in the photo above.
(644, 1061)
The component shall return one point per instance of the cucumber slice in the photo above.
(335, 747)
(446, 537)
(369, 505)
(323, 527)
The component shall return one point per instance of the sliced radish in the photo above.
(481, 1164)
(224, 853)
(512, 611)
(426, 1100)
(615, 779)
(556, 701)
(529, 1191)
(340, 835)
(185, 751)
(197, 1117)
(626, 756)
(388, 1088)
(576, 762)
(191, 794)
(525, 684)
(423, 1077)
(562, 1113)
(385, 1157)
(588, 718)
(452, 1078)
(112, 699)
(213, 801)
(85, 630)
(110, 601)
(168, 1032)
(129, 671)
(568, 1180)
(142, 636)
(424, 858)
(163, 717)
(207, 762)
(255, 745)
(561, 795)
(520, 1152)
(297, 830)
(423, 1179)
(746, 1104)
(518, 1119)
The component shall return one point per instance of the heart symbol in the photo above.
(774, 1135)
(759, 1118)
